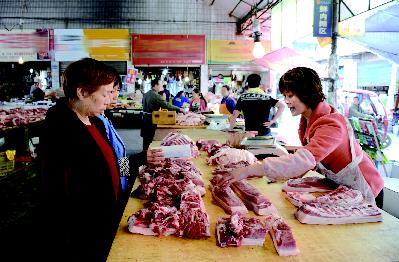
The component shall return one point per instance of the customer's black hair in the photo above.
(155, 82)
(253, 80)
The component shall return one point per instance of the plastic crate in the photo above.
(164, 117)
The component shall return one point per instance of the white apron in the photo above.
(351, 175)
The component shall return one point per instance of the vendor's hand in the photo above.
(232, 176)
(155, 156)
(269, 123)
(255, 170)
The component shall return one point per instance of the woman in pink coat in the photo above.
(327, 138)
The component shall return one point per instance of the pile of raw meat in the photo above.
(223, 155)
(190, 119)
(340, 205)
(175, 206)
(177, 138)
(18, 116)
(237, 230)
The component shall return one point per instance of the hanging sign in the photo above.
(168, 49)
(232, 51)
(31, 45)
(322, 18)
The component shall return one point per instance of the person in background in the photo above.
(255, 105)
(152, 101)
(79, 169)
(36, 92)
(356, 111)
(327, 138)
(228, 103)
(198, 103)
(180, 99)
(112, 135)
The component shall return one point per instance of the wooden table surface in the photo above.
(354, 242)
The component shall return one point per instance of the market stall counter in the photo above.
(351, 242)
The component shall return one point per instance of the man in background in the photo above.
(228, 103)
(255, 105)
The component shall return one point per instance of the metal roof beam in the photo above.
(270, 4)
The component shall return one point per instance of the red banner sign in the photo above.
(168, 49)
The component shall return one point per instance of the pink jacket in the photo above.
(325, 139)
(202, 105)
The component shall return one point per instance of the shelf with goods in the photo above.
(366, 132)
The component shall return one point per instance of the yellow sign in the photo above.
(108, 44)
(232, 51)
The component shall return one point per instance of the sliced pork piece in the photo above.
(229, 201)
(194, 223)
(237, 230)
(309, 184)
(282, 236)
(231, 155)
(299, 198)
(165, 221)
(139, 223)
(154, 220)
(318, 213)
(340, 196)
(253, 199)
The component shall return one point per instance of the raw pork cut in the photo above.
(253, 199)
(190, 119)
(282, 236)
(177, 138)
(340, 196)
(229, 201)
(175, 205)
(176, 172)
(309, 184)
(237, 231)
(154, 221)
(194, 221)
(206, 144)
(225, 197)
(232, 155)
(11, 117)
(319, 213)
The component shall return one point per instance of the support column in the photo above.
(333, 60)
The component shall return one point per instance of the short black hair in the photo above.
(155, 82)
(179, 94)
(305, 84)
(253, 80)
(227, 87)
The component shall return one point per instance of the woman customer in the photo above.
(198, 103)
(327, 138)
(180, 99)
(113, 136)
(81, 188)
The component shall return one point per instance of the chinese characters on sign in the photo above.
(322, 18)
